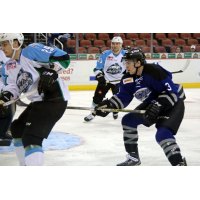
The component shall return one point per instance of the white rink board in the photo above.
(80, 71)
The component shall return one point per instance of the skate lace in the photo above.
(128, 157)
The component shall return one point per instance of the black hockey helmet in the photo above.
(135, 55)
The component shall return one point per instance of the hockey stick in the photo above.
(20, 97)
(184, 68)
(113, 81)
(21, 103)
(107, 109)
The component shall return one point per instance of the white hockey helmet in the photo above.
(10, 37)
(117, 39)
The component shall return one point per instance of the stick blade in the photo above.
(186, 65)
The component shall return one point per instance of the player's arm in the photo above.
(167, 95)
(60, 59)
(119, 100)
(9, 91)
(9, 82)
(98, 70)
(45, 56)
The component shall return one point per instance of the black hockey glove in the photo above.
(153, 111)
(100, 78)
(4, 97)
(103, 104)
(47, 79)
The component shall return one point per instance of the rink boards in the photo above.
(80, 76)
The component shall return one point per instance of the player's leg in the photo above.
(17, 130)
(130, 123)
(99, 94)
(115, 90)
(167, 126)
(42, 117)
(5, 121)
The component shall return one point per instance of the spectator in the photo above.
(193, 48)
(64, 37)
(50, 37)
(178, 49)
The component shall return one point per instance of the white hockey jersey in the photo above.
(111, 65)
(23, 76)
(3, 59)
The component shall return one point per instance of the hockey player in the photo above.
(5, 119)
(28, 71)
(109, 68)
(161, 98)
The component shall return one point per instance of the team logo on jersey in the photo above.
(11, 65)
(24, 80)
(142, 94)
(127, 80)
(114, 69)
(138, 80)
(110, 58)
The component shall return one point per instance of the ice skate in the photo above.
(5, 140)
(90, 117)
(132, 159)
(115, 115)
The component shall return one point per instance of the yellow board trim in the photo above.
(82, 87)
(93, 87)
(190, 85)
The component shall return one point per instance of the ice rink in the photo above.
(100, 142)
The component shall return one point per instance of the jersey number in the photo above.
(169, 88)
(47, 49)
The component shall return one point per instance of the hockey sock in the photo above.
(130, 136)
(19, 149)
(34, 155)
(166, 140)
(93, 106)
(129, 123)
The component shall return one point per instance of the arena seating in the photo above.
(167, 41)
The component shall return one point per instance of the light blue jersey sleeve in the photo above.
(101, 61)
(45, 54)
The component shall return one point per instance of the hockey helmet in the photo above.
(10, 37)
(135, 55)
(117, 39)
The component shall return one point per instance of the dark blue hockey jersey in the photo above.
(155, 85)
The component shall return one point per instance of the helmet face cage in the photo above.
(10, 37)
(135, 55)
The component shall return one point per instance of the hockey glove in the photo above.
(103, 104)
(47, 79)
(153, 111)
(4, 97)
(100, 78)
